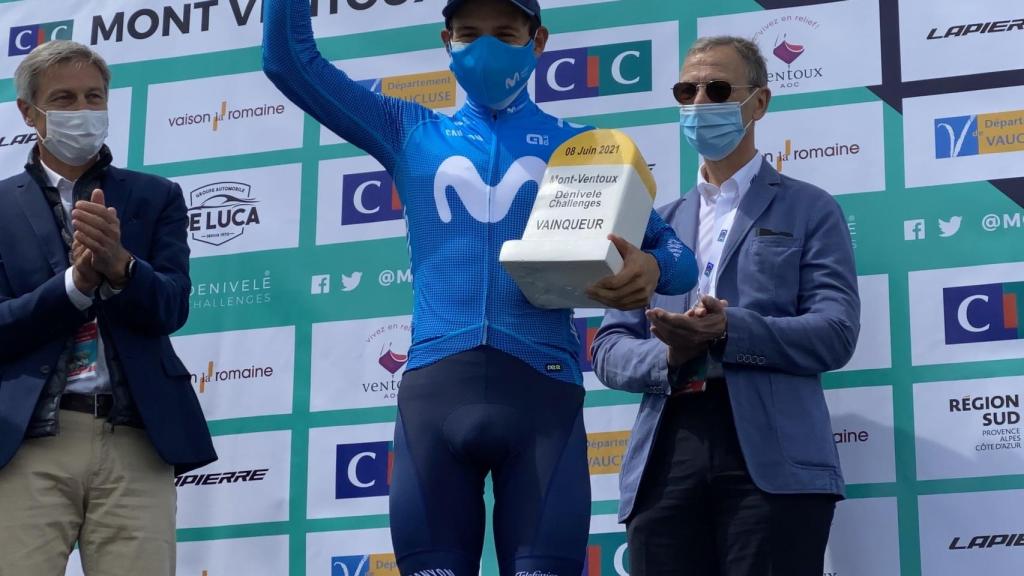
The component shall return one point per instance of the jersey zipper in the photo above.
(493, 169)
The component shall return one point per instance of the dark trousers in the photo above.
(698, 512)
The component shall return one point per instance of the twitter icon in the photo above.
(947, 229)
(350, 283)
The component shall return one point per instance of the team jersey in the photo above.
(467, 184)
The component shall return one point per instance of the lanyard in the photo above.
(725, 215)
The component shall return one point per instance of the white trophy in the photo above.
(596, 184)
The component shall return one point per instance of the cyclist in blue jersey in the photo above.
(492, 384)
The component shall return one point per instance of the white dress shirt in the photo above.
(730, 194)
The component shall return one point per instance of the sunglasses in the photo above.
(717, 91)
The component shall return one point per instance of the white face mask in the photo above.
(75, 136)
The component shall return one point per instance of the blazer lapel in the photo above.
(754, 203)
(37, 210)
(117, 194)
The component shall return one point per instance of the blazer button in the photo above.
(44, 369)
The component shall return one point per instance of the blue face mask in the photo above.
(714, 130)
(492, 72)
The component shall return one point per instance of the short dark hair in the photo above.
(533, 20)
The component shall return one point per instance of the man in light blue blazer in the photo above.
(731, 469)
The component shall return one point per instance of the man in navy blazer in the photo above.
(97, 413)
(731, 468)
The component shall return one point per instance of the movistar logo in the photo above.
(459, 174)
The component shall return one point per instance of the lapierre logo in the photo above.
(983, 312)
(363, 470)
(369, 197)
(365, 565)
(790, 154)
(192, 17)
(789, 52)
(221, 212)
(987, 541)
(605, 70)
(978, 135)
(18, 139)
(227, 375)
(961, 30)
(224, 114)
(213, 479)
(24, 39)
(434, 90)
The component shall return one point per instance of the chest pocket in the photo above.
(773, 263)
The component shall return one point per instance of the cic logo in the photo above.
(369, 197)
(24, 39)
(363, 470)
(983, 313)
(595, 71)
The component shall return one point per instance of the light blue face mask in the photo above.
(492, 72)
(714, 130)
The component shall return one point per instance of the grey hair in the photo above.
(757, 69)
(53, 53)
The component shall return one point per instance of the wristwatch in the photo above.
(129, 268)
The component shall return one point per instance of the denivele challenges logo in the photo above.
(363, 470)
(605, 70)
(237, 291)
(983, 313)
(434, 90)
(369, 197)
(365, 565)
(24, 39)
(974, 135)
(220, 212)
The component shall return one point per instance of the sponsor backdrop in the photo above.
(911, 112)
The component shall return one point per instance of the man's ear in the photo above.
(540, 40)
(764, 98)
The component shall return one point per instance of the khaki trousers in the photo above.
(101, 486)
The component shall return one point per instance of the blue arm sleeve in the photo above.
(375, 123)
(676, 260)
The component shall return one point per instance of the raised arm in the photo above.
(378, 124)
